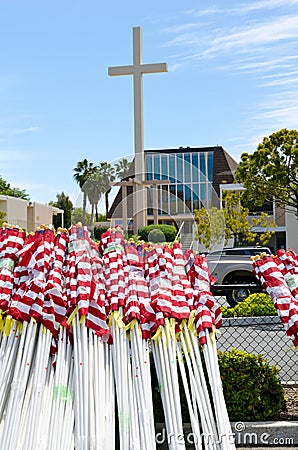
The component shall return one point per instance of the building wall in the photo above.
(280, 216)
(26, 215)
(292, 231)
(15, 210)
(42, 214)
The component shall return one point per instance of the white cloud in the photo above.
(26, 130)
(282, 81)
(174, 67)
(268, 4)
(247, 39)
(243, 8)
(259, 64)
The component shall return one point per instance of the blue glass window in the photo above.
(203, 192)
(202, 167)
(187, 198)
(172, 168)
(157, 170)
(210, 166)
(173, 198)
(180, 200)
(164, 199)
(180, 193)
(149, 167)
(150, 201)
(164, 167)
(187, 168)
(210, 192)
(195, 195)
(195, 169)
(179, 162)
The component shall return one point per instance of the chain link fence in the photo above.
(261, 335)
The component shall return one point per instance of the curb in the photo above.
(282, 434)
(246, 435)
(250, 321)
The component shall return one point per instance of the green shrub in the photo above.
(98, 232)
(158, 233)
(252, 389)
(254, 305)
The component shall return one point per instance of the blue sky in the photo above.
(233, 79)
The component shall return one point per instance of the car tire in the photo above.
(235, 296)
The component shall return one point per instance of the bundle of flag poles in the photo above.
(279, 276)
(81, 326)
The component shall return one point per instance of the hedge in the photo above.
(98, 232)
(255, 305)
(158, 233)
(252, 389)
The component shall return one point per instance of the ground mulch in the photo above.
(291, 394)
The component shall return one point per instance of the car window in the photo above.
(235, 252)
(257, 251)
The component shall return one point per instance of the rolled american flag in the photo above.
(55, 301)
(182, 290)
(267, 270)
(27, 291)
(115, 268)
(287, 261)
(208, 315)
(85, 281)
(11, 242)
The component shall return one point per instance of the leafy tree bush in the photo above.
(2, 215)
(252, 389)
(7, 189)
(98, 232)
(254, 305)
(216, 226)
(163, 232)
(76, 216)
(63, 202)
(271, 171)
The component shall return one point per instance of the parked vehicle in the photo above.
(232, 268)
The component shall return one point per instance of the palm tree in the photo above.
(122, 168)
(82, 171)
(94, 188)
(108, 176)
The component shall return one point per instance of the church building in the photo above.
(183, 179)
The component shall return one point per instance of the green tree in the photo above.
(232, 221)
(82, 171)
(271, 171)
(76, 215)
(108, 176)
(2, 215)
(242, 228)
(121, 168)
(210, 227)
(7, 189)
(63, 202)
(94, 187)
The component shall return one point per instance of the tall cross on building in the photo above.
(137, 69)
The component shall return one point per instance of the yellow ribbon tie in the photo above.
(157, 334)
(191, 320)
(8, 325)
(72, 316)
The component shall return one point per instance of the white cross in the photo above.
(137, 69)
